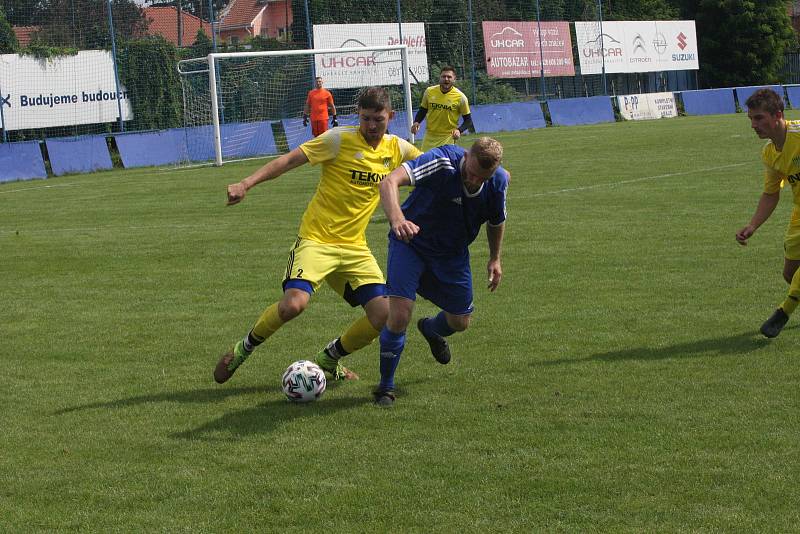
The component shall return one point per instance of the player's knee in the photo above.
(289, 308)
(398, 322)
(377, 312)
(459, 323)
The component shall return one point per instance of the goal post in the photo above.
(249, 104)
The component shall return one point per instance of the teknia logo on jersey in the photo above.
(793, 178)
(445, 107)
(365, 177)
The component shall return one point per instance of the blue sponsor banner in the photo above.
(573, 111)
(708, 102)
(21, 161)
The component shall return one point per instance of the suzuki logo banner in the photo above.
(637, 46)
(515, 49)
(340, 71)
(65, 91)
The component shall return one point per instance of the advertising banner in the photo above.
(341, 71)
(64, 91)
(647, 106)
(516, 50)
(636, 46)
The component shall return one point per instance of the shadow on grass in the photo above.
(740, 344)
(259, 419)
(266, 417)
(191, 396)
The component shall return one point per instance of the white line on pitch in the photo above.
(634, 180)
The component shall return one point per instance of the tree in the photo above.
(8, 41)
(25, 12)
(639, 10)
(83, 24)
(740, 42)
(202, 45)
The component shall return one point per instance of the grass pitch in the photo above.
(616, 381)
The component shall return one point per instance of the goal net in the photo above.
(250, 104)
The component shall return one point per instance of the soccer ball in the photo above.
(303, 381)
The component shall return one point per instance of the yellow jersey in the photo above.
(347, 192)
(784, 166)
(444, 109)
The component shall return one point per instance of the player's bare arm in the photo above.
(494, 267)
(766, 205)
(270, 171)
(390, 201)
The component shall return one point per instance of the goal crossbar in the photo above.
(213, 58)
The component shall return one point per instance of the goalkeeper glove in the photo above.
(305, 119)
(334, 121)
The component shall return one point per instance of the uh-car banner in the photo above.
(636, 46)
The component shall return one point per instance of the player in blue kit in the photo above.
(455, 192)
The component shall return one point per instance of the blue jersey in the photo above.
(449, 218)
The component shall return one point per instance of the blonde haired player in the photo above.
(331, 245)
(455, 192)
(443, 104)
(781, 157)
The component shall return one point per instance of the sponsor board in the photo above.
(356, 69)
(64, 91)
(527, 49)
(647, 106)
(636, 46)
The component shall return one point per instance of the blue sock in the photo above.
(438, 325)
(392, 346)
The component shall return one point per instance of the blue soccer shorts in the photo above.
(445, 281)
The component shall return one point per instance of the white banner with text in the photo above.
(356, 69)
(636, 46)
(647, 106)
(62, 91)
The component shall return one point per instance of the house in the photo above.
(163, 20)
(243, 19)
(25, 34)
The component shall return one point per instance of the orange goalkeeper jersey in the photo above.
(318, 102)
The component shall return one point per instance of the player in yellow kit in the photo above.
(781, 157)
(443, 104)
(331, 244)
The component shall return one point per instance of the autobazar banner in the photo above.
(357, 69)
(64, 91)
(636, 46)
(647, 106)
(521, 50)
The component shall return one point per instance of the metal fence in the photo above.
(453, 31)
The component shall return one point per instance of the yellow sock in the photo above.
(789, 304)
(359, 335)
(268, 323)
(793, 298)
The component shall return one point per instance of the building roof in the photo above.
(164, 21)
(241, 13)
(25, 34)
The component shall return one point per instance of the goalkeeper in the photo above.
(318, 103)
(443, 104)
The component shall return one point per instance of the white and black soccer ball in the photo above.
(303, 381)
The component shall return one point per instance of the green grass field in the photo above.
(616, 381)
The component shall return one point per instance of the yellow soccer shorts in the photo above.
(434, 139)
(791, 240)
(344, 267)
